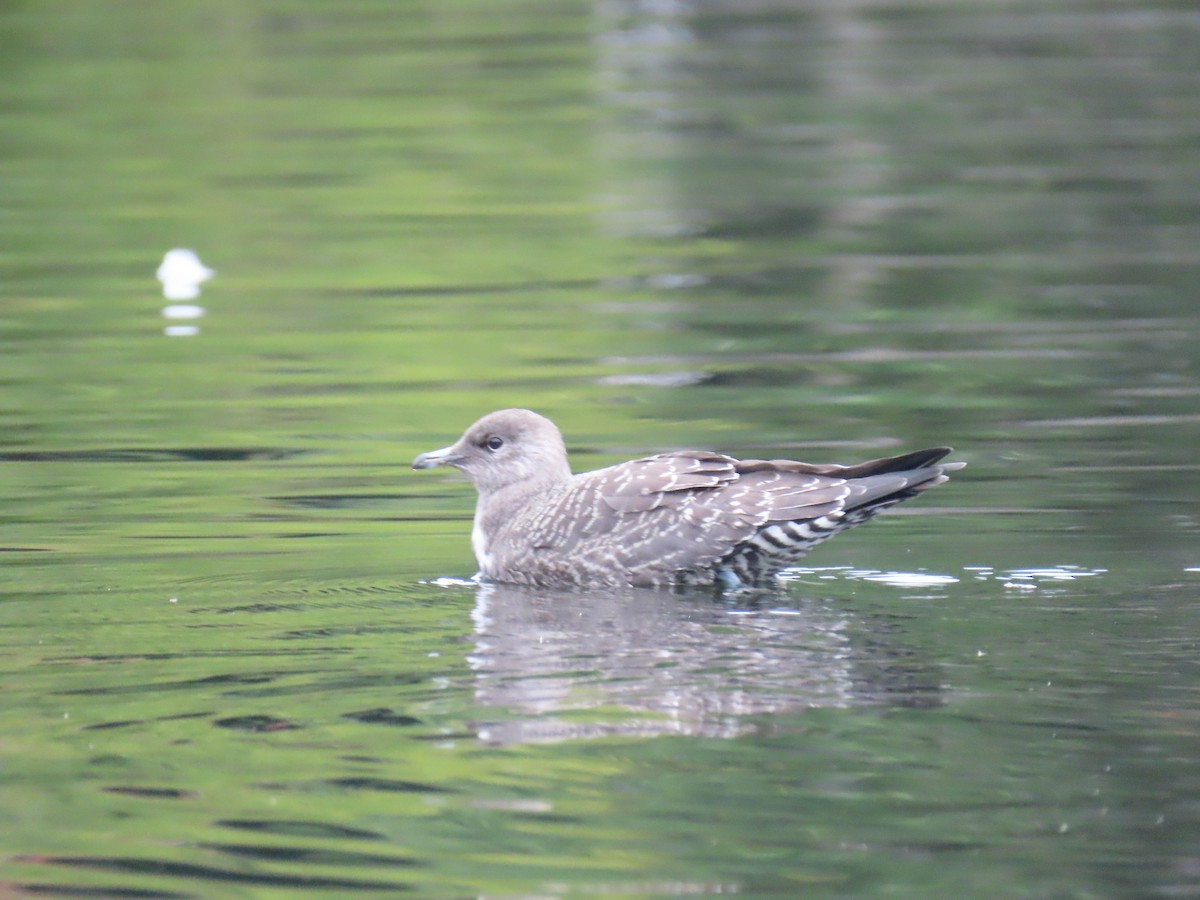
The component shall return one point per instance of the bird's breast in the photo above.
(479, 546)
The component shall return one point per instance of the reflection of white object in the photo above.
(182, 311)
(181, 330)
(182, 273)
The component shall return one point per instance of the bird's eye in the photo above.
(495, 443)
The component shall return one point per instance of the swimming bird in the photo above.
(685, 517)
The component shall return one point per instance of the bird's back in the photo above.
(696, 517)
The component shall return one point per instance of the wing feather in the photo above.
(677, 512)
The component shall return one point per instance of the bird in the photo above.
(687, 517)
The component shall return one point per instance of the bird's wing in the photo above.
(683, 510)
(663, 480)
(687, 510)
(864, 483)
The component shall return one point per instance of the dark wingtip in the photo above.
(917, 459)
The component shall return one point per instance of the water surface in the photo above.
(239, 652)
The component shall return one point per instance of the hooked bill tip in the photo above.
(433, 458)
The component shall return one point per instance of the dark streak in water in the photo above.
(351, 682)
(390, 785)
(166, 454)
(312, 856)
(382, 716)
(163, 793)
(256, 723)
(126, 723)
(300, 828)
(175, 685)
(104, 726)
(211, 873)
(64, 890)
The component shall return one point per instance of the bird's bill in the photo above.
(447, 456)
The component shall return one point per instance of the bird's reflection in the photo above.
(553, 665)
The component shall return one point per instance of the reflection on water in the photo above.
(664, 663)
(1034, 577)
(559, 665)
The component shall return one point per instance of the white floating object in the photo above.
(182, 273)
(183, 311)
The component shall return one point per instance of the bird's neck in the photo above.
(499, 506)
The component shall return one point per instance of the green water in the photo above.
(239, 656)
